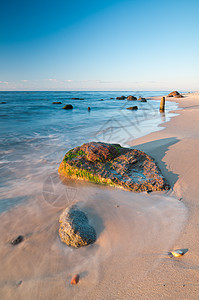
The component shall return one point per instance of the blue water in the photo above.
(35, 134)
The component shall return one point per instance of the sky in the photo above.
(104, 45)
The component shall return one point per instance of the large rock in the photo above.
(131, 98)
(75, 229)
(114, 165)
(173, 94)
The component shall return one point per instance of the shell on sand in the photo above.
(178, 252)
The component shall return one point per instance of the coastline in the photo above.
(175, 149)
(130, 259)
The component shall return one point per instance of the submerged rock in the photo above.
(57, 102)
(114, 165)
(133, 108)
(75, 229)
(121, 98)
(68, 106)
(142, 99)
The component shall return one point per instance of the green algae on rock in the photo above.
(113, 165)
(75, 229)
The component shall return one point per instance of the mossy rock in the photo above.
(113, 165)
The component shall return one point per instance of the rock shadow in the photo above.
(157, 149)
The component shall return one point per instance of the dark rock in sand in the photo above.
(75, 229)
(131, 98)
(18, 240)
(57, 102)
(173, 94)
(142, 99)
(121, 98)
(3, 102)
(179, 96)
(68, 106)
(113, 165)
(133, 108)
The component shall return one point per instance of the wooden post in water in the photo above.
(162, 104)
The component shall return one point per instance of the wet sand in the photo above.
(134, 231)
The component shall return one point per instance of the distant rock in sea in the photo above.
(133, 108)
(173, 94)
(75, 229)
(121, 98)
(142, 99)
(130, 98)
(57, 102)
(68, 106)
(77, 98)
(114, 165)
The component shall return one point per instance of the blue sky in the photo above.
(99, 45)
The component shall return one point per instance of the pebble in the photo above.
(18, 240)
(75, 279)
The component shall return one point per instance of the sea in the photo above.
(35, 133)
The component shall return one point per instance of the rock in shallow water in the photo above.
(75, 229)
(114, 165)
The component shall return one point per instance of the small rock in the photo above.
(57, 102)
(179, 96)
(101, 99)
(68, 106)
(131, 98)
(121, 98)
(77, 98)
(75, 279)
(3, 102)
(19, 283)
(111, 98)
(89, 108)
(18, 240)
(142, 99)
(133, 108)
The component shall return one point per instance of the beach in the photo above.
(134, 231)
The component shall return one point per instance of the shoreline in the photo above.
(135, 231)
(175, 149)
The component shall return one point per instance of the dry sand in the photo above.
(135, 231)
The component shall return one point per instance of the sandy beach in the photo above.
(134, 231)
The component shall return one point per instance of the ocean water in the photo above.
(35, 134)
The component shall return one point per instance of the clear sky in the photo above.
(99, 45)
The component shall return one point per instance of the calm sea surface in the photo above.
(35, 134)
